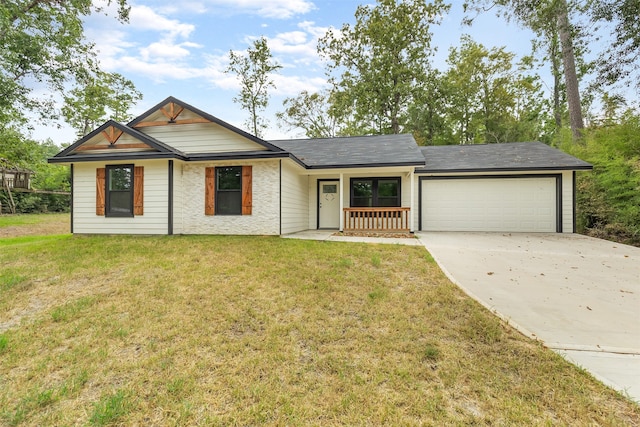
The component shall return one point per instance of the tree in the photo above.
(254, 72)
(570, 76)
(100, 97)
(43, 41)
(382, 60)
(27, 153)
(548, 19)
(622, 60)
(489, 98)
(312, 113)
(428, 111)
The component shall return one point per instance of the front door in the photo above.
(328, 204)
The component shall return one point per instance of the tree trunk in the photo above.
(570, 76)
(557, 81)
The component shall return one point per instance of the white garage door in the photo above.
(491, 204)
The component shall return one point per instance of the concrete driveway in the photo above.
(579, 295)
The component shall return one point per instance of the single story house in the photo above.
(179, 170)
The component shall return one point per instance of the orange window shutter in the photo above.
(209, 191)
(138, 190)
(100, 186)
(246, 190)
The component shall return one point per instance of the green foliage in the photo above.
(254, 72)
(43, 41)
(4, 343)
(99, 97)
(550, 20)
(382, 60)
(27, 203)
(24, 152)
(609, 196)
(620, 62)
(431, 352)
(311, 113)
(110, 408)
(486, 101)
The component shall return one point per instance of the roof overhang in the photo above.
(522, 169)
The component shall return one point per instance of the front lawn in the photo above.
(34, 224)
(208, 330)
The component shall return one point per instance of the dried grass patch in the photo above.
(264, 331)
(33, 225)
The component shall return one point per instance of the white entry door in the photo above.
(328, 204)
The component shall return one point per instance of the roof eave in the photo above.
(114, 157)
(517, 169)
(367, 165)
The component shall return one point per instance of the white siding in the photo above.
(295, 198)
(201, 138)
(567, 202)
(178, 197)
(265, 217)
(154, 220)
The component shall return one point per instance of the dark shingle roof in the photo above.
(517, 156)
(354, 151)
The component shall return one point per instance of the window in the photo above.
(119, 190)
(375, 192)
(229, 190)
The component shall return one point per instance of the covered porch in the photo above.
(372, 201)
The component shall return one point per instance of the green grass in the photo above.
(215, 330)
(30, 219)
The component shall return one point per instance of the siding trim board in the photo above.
(558, 185)
(71, 201)
(280, 198)
(170, 196)
(574, 201)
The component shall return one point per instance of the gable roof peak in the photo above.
(173, 113)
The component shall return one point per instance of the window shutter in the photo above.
(138, 190)
(100, 187)
(209, 191)
(246, 190)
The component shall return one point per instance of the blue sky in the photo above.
(181, 49)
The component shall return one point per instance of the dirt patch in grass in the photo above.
(376, 234)
(213, 330)
(33, 225)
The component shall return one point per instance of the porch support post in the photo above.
(341, 193)
(412, 199)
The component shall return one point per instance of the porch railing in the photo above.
(377, 219)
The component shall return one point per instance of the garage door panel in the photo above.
(501, 204)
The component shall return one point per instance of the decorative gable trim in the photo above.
(170, 106)
(171, 111)
(112, 131)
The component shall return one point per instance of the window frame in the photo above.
(217, 191)
(374, 190)
(107, 192)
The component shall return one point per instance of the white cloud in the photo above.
(167, 49)
(145, 18)
(293, 85)
(277, 9)
(298, 46)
